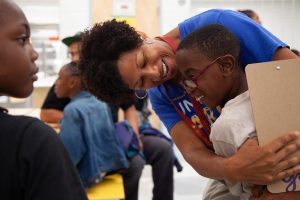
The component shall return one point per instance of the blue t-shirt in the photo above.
(257, 45)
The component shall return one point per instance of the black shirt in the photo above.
(34, 162)
(141, 105)
(53, 102)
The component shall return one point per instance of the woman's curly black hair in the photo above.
(101, 48)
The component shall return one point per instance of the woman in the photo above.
(117, 61)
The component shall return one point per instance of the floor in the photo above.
(188, 185)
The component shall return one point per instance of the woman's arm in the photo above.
(284, 54)
(262, 166)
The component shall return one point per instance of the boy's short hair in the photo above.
(101, 49)
(212, 41)
(72, 67)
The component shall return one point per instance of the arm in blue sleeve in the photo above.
(71, 135)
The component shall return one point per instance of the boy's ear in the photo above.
(227, 65)
(72, 82)
(75, 81)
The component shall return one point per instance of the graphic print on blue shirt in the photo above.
(181, 99)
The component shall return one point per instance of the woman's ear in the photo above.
(227, 65)
(142, 35)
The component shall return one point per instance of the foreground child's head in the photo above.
(68, 83)
(208, 60)
(17, 57)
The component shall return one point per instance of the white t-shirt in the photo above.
(234, 126)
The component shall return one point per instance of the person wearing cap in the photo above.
(52, 108)
(74, 43)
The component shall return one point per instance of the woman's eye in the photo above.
(144, 62)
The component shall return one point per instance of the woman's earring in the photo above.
(141, 94)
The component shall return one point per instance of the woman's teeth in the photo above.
(165, 70)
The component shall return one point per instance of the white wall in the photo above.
(75, 15)
(70, 16)
(172, 12)
(281, 17)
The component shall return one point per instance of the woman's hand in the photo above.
(266, 164)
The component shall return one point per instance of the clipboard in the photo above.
(274, 89)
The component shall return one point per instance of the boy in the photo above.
(34, 162)
(208, 60)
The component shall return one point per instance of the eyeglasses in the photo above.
(192, 82)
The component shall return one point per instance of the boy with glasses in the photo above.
(208, 60)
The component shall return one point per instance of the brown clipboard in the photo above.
(274, 89)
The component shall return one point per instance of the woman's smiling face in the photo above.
(147, 66)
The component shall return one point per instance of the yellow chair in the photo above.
(111, 187)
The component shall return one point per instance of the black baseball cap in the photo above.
(75, 38)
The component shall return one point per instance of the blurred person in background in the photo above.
(52, 108)
(295, 51)
(88, 132)
(251, 14)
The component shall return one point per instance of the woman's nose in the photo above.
(152, 73)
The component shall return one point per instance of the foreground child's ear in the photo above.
(227, 63)
(75, 82)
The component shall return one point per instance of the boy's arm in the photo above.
(263, 166)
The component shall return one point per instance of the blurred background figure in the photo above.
(88, 132)
(295, 51)
(250, 13)
(52, 108)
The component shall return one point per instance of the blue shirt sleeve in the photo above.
(71, 135)
(257, 44)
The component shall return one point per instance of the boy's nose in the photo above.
(34, 55)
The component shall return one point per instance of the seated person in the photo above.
(157, 150)
(51, 110)
(88, 133)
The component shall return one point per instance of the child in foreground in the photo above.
(34, 162)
